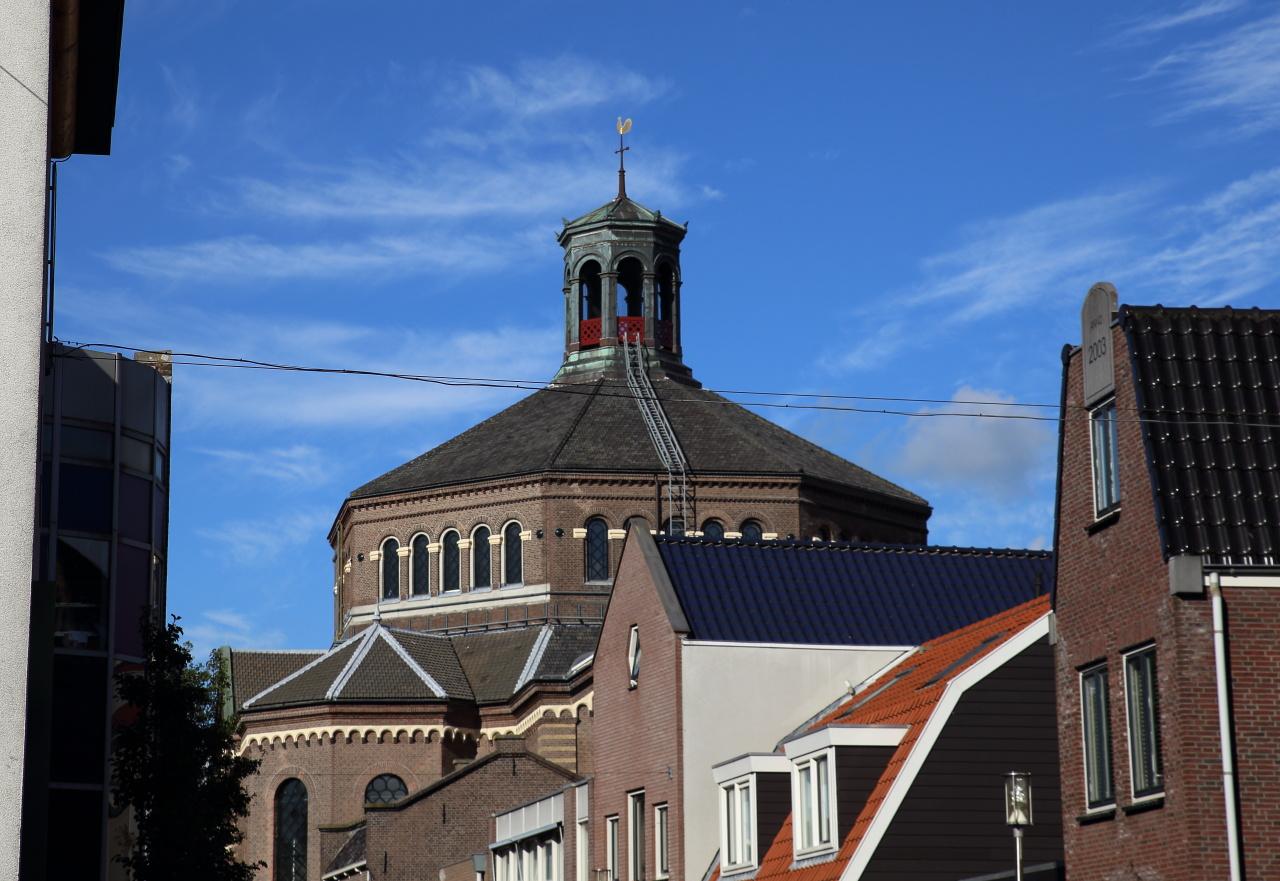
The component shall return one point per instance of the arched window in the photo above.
(666, 283)
(291, 831)
(512, 554)
(419, 573)
(384, 789)
(713, 529)
(752, 530)
(590, 304)
(597, 549)
(631, 287)
(390, 569)
(449, 580)
(480, 576)
(824, 534)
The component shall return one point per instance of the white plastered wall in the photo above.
(739, 698)
(24, 51)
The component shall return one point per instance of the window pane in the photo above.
(84, 498)
(420, 573)
(824, 792)
(744, 814)
(79, 720)
(384, 789)
(806, 806)
(731, 828)
(480, 558)
(751, 531)
(80, 593)
(512, 555)
(86, 443)
(449, 562)
(133, 595)
(1097, 738)
(1144, 737)
(660, 822)
(597, 550)
(135, 507)
(713, 529)
(1105, 444)
(291, 831)
(390, 569)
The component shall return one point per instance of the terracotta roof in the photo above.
(1209, 382)
(905, 695)
(597, 426)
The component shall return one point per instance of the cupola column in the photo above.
(650, 309)
(572, 306)
(676, 345)
(609, 308)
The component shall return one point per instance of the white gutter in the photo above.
(1224, 726)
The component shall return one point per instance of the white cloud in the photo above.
(545, 86)
(218, 627)
(184, 106)
(262, 540)
(983, 454)
(1153, 25)
(296, 464)
(1236, 73)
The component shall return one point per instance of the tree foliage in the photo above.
(176, 767)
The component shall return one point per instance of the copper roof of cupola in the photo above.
(622, 208)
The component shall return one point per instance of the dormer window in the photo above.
(738, 809)
(745, 783)
(812, 802)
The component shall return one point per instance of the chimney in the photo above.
(508, 743)
(161, 361)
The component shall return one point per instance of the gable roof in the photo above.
(917, 694)
(1209, 382)
(597, 426)
(843, 593)
(385, 665)
(251, 670)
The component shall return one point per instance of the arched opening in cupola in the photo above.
(631, 299)
(665, 281)
(590, 304)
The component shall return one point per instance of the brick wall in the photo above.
(1113, 594)
(636, 732)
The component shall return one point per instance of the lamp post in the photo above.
(1017, 810)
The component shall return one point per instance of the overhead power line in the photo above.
(1223, 418)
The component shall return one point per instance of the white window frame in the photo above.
(582, 846)
(1157, 791)
(503, 555)
(661, 842)
(1088, 672)
(611, 847)
(458, 589)
(635, 836)
(732, 837)
(1099, 509)
(812, 806)
(633, 657)
(549, 859)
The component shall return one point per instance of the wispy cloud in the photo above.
(262, 540)
(1149, 26)
(981, 454)
(184, 107)
(545, 86)
(1235, 73)
(297, 464)
(218, 627)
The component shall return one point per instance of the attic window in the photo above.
(737, 810)
(812, 800)
(633, 655)
(1105, 446)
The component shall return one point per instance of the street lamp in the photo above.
(1017, 810)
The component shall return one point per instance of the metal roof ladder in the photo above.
(662, 435)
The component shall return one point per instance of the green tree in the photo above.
(176, 767)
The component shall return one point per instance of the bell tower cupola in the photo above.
(621, 283)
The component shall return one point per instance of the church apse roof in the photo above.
(597, 426)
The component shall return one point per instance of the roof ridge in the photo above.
(357, 657)
(934, 550)
(426, 677)
(303, 669)
(531, 663)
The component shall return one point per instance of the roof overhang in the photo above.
(751, 763)
(85, 74)
(845, 735)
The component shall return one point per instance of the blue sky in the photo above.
(893, 199)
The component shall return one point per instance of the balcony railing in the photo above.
(589, 332)
(631, 328)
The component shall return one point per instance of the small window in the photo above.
(1142, 702)
(611, 848)
(597, 550)
(736, 814)
(635, 836)
(1095, 720)
(512, 554)
(752, 530)
(449, 579)
(582, 845)
(480, 576)
(390, 569)
(1106, 459)
(291, 831)
(813, 802)
(661, 849)
(384, 789)
(547, 852)
(713, 529)
(633, 655)
(419, 566)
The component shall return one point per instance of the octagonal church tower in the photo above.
(523, 515)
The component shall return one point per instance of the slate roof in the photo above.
(252, 671)
(1208, 382)
(625, 208)
(844, 592)
(381, 665)
(905, 695)
(596, 426)
(352, 852)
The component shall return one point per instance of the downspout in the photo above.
(1224, 726)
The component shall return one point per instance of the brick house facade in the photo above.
(1143, 784)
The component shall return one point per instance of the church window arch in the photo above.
(481, 576)
(389, 569)
(512, 553)
(450, 581)
(665, 282)
(291, 831)
(630, 287)
(752, 530)
(597, 550)
(419, 565)
(385, 789)
(713, 529)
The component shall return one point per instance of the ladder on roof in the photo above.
(661, 433)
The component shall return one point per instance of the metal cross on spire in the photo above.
(624, 126)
